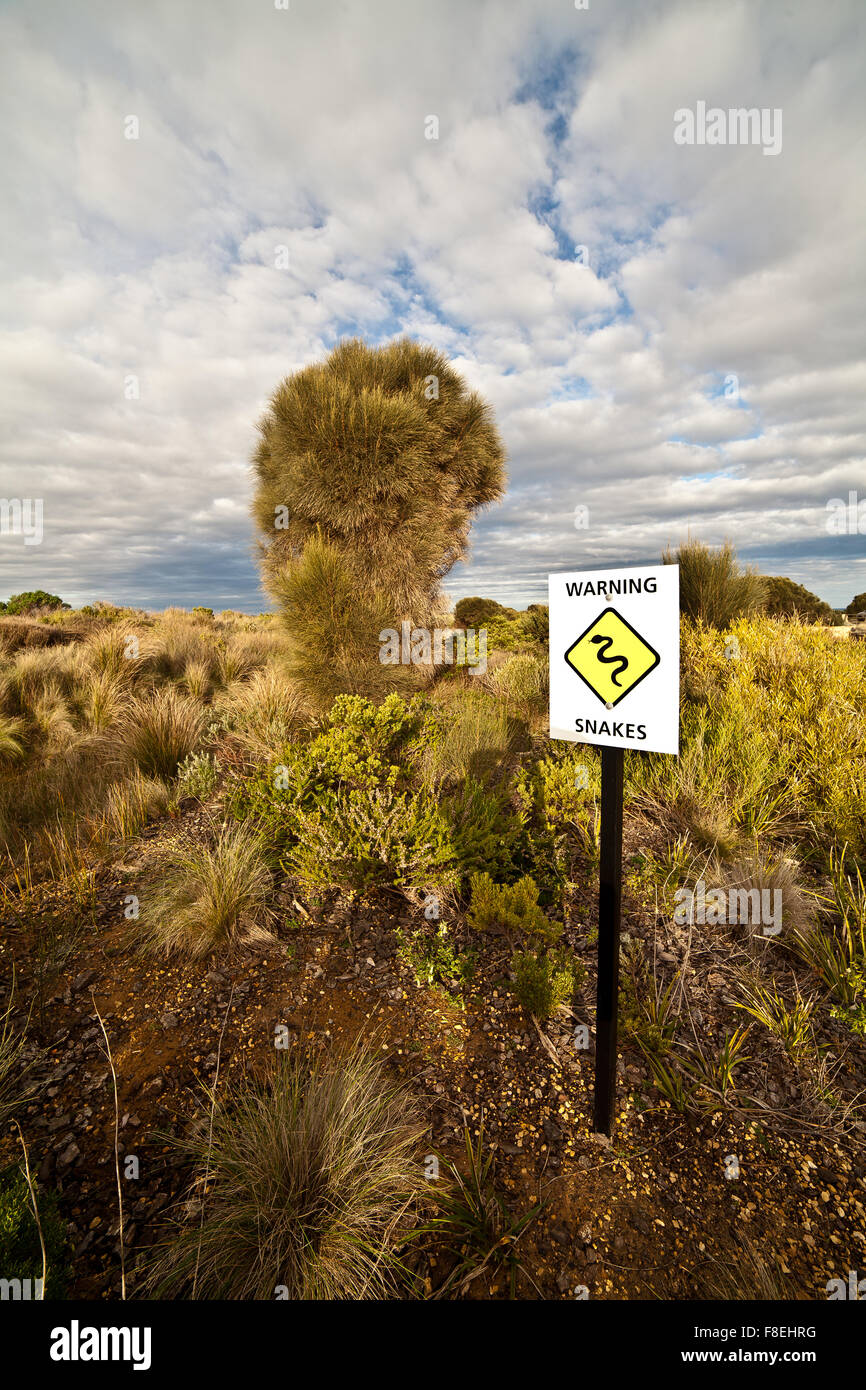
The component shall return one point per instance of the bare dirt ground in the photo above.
(647, 1216)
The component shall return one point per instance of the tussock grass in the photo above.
(107, 694)
(196, 678)
(208, 897)
(11, 742)
(158, 731)
(130, 804)
(266, 713)
(309, 1179)
(522, 680)
(763, 872)
(744, 1269)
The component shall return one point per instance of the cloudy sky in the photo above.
(671, 335)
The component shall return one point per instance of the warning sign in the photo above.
(611, 657)
(614, 658)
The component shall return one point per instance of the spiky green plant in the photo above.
(713, 587)
(369, 469)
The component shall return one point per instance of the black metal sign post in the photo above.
(609, 917)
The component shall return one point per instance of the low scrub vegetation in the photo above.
(178, 798)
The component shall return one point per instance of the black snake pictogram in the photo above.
(610, 660)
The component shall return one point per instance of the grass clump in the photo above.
(208, 897)
(476, 1223)
(522, 680)
(158, 731)
(308, 1177)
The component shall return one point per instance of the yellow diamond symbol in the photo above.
(611, 657)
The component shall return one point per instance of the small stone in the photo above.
(169, 1020)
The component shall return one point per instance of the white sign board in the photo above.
(615, 657)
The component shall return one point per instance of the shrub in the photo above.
(857, 605)
(785, 599)
(208, 897)
(343, 805)
(158, 731)
(358, 838)
(20, 1247)
(476, 612)
(484, 831)
(354, 452)
(203, 614)
(32, 601)
(198, 775)
(506, 634)
(543, 982)
(713, 588)
(537, 621)
(512, 909)
(434, 959)
(308, 1179)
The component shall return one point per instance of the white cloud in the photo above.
(305, 129)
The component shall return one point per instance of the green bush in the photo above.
(537, 621)
(713, 588)
(434, 959)
(545, 981)
(342, 810)
(505, 634)
(785, 599)
(20, 1248)
(857, 605)
(476, 612)
(510, 908)
(358, 838)
(197, 776)
(33, 600)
